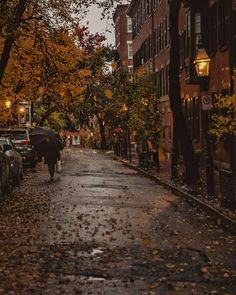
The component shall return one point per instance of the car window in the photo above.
(2, 142)
(15, 134)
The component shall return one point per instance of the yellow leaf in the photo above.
(108, 93)
(146, 242)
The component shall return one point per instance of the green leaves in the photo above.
(223, 121)
(145, 114)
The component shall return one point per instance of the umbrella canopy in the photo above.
(39, 136)
(37, 139)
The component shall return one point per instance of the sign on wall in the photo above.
(206, 102)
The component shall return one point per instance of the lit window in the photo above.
(130, 69)
(197, 28)
(130, 51)
(129, 24)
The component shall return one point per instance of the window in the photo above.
(223, 22)
(129, 24)
(234, 38)
(130, 51)
(148, 7)
(154, 4)
(134, 28)
(160, 37)
(130, 69)
(167, 80)
(188, 34)
(144, 10)
(165, 31)
(213, 29)
(154, 42)
(197, 20)
(138, 20)
(141, 15)
(168, 30)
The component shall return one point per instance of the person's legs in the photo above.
(51, 168)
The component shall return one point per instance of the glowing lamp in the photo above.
(202, 63)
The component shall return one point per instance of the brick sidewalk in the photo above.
(199, 191)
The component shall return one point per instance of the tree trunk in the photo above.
(45, 116)
(3, 11)
(179, 122)
(17, 17)
(102, 133)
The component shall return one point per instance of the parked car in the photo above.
(21, 140)
(15, 159)
(5, 179)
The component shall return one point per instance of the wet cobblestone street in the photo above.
(101, 228)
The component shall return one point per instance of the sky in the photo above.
(101, 26)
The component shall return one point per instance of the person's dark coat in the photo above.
(49, 151)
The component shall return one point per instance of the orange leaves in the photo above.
(108, 93)
(48, 65)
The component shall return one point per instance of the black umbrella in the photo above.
(41, 136)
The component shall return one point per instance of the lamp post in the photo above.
(8, 104)
(21, 115)
(202, 66)
(126, 110)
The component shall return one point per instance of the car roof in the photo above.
(5, 138)
(14, 129)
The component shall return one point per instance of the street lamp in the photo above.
(125, 109)
(202, 66)
(202, 63)
(8, 104)
(22, 111)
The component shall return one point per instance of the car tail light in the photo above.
(26, 142)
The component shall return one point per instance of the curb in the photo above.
(220, 218)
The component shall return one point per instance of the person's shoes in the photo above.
(51, 179)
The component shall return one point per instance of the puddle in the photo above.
(96, 251)
(95, 279)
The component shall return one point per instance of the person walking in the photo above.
(51, 153)
(48, 144)
(51, 157)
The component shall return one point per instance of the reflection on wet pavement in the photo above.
(101, 228)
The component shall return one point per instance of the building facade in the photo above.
(151, 49)
(123, 37)
(211, 24)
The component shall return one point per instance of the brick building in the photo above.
(213, 23)
(123, 37)
(151, 45)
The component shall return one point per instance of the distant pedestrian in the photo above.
(51, 153)
(51, 156)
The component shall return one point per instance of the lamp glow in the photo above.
(202, 63)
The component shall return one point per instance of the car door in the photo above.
(4, 171)
(13, 159)
(18, 160)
